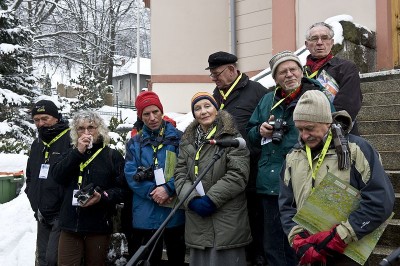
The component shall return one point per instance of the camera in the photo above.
(86, 193)
(144, 173)
(280, 128)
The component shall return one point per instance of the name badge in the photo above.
(75, 200)
(159, 176)
(44, 171)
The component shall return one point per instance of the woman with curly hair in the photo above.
(93, 175)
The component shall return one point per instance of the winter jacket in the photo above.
(106, 172)
(365, 174)
(147, 214)
(225, 183)
(349, 96)
(45, 194)
(273, 155)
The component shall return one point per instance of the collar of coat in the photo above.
(225, 125)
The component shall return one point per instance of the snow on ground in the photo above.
(17, 224)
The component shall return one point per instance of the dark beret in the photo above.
(220, 58)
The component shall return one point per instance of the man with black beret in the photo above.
(44, 194)
(239, 96)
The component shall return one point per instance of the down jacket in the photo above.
(147, 214)
(365, 174)
(225, 183)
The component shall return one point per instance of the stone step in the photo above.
(384, 142)
(380, 86)
(381, 98)
(380, 112)
(379, 127)
(379, 253)
(395, 179)
(390, 160)
(391, 234)
(396, 208)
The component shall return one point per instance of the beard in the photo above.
(291, 87)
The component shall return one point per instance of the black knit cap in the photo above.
(45, 107)
(220, 58)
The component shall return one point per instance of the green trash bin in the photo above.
(9, 184)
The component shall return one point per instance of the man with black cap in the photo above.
(44, 194)
(238, 95)
(271, 129)
(326, 147)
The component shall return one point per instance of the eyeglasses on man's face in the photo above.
(216, 75)
(323, 38)
(292, 70)
(91, 129)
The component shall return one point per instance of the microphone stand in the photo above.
(144, 248)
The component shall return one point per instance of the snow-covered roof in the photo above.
(130, 66)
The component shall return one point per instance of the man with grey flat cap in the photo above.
(239, 96)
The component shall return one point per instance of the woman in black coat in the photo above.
(95, 173)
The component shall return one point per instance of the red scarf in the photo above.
(315, 64)
(291, 96)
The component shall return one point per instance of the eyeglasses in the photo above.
(291, 70)
(323, 38)
(216, 75)
(89, 128)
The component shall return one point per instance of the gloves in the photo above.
(328, 241)
(305, 251)
(203, 206)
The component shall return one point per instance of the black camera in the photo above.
(144, 173)
(86, 193)
(280, 128)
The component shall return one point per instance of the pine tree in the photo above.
(15, 82)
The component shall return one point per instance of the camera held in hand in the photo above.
(144, 173)
(280, 128)
(86, 193)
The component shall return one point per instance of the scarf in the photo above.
(314, 64)
(49, 133)
(291, 95)
(200, 135)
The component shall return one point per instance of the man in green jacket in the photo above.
(272, 129)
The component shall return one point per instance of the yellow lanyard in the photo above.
(281, 100)
(225, 95)
(83, 165)
(155, 149)
(46, 153)
(320, 159)
(196, 159)
(312, 75)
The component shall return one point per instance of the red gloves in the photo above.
(329, 241)
(316, 247)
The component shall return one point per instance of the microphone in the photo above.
(392, 259)
(236, 143)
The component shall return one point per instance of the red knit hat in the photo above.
(147, 98)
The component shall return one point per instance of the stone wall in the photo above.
(359, 46)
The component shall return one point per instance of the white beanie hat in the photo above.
(280, 58)
(313, 106)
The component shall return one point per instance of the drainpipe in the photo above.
(233, 26)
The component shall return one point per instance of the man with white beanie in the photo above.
(322, 148)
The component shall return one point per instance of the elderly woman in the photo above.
(217, 227)
(93, 176)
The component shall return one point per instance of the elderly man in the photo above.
(272, 129)
(238, 95)
(44, 194)
(146, 155)
(340, 77)
(309, 162)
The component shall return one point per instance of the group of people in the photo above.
(238, 201)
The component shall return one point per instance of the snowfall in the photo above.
(17, 223)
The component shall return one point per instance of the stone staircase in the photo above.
(379, 123)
